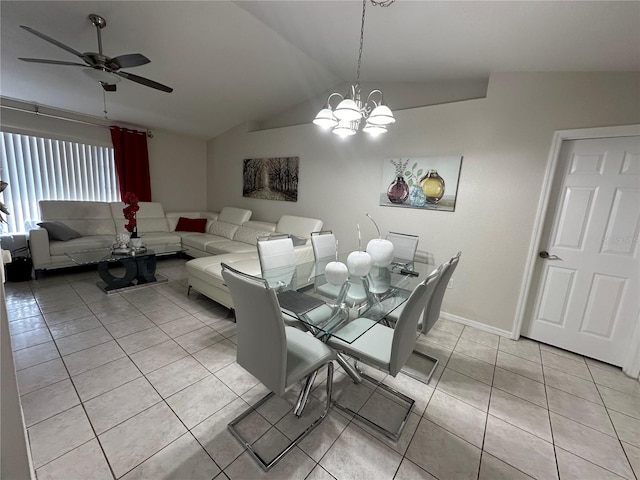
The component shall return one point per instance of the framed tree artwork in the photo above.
(428, 183)
(271, 178)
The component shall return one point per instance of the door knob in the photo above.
(544, 254)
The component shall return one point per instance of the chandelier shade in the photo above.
(325, 118)
(381, 115)
(345, 129)
(348, 110)
(346, 118)
(374, 130)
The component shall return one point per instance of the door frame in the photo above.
(632, 362)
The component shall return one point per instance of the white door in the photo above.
(587, 299)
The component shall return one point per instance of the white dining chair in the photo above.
(432, 311)
(385, 348)
(277, 355)
(325, 250)
(404, 246)
(277, 260)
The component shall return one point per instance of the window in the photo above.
(45, 169)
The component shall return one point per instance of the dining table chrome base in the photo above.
(304, 394)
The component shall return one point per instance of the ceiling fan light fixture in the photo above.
(101, 75)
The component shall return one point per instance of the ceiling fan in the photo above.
(105, 70)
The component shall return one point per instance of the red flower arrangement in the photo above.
(129, 211)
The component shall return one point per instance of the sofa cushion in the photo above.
(87, 242)
(234, 215)
(199, 241)
(260, 225)
(298, 241)
(249, 235)
(172, 218)
(209, 269)
(59, 231)
(299, 226)
(150, 217)
(191, 224)
(223, 229)
(157, 238)
(230, 246)
(86, 218)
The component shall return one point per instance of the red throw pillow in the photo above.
(191, 224)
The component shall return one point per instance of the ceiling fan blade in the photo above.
(130, 60)
(53, 62)
(144, 81)
(51, 40)
(108, 87)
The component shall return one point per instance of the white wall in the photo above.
(177, 163)
(505, 140)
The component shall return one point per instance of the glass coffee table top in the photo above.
(94, 256)
(137, 267)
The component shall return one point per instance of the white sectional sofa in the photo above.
(98, 223)
(230, 236)
(205, 274)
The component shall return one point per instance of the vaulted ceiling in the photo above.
(231, 62)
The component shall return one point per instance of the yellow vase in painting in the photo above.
(433, 186)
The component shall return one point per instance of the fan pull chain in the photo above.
(104, 102)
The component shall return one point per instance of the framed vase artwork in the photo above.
(271, 178)
(428, 183)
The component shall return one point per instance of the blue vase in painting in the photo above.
(417, 198)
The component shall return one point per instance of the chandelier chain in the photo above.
(383, 3)
(364, 6)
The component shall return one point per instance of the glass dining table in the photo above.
(304, 294)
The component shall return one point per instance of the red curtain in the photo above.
(132, 162)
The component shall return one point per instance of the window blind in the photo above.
(39, 168)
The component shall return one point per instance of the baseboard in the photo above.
(474, 324)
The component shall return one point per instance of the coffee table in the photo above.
(139, 265)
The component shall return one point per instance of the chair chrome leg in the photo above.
(304, 394)
(267, 465)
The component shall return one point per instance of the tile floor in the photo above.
(142, 384)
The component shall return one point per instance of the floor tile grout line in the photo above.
(91, 424)
(86, 415)
(444, 367)
(553, 438)
(593, 463)
(486, 418)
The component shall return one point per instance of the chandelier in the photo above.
(345, 119)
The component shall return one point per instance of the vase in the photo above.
(359, 263)
(336, 273)
(417, 197)
(136, 242)
(398, 191)
(381, 251)
(122, 239)
(432, 186)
